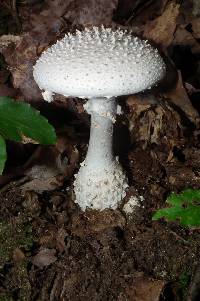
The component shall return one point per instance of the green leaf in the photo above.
(184, 207)
(3, 154)
(18, 119)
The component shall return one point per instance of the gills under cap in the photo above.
(98, 62)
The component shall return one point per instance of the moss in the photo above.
(13, 236)
(4, 297)
(21, 281)
(17, 283)
(183, 284)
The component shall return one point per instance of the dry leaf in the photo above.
(180, 98)
(144, 289)
(44, 258)
(161, 30)
(91, 12)
(184, 38)
(153, 121)
(196, 28)
(18, 255)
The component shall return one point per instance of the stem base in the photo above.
(100, 188)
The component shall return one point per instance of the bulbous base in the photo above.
(100, 188)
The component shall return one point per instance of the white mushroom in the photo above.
(100, 64)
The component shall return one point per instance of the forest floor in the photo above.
(49, 249)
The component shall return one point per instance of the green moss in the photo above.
(21, 281)
(4, 297)
(183, 284)
(17, 283)
(13, 236)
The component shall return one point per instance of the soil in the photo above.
(50, 250)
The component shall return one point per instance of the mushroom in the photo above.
(99, 64)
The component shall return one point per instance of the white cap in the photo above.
(98, 62)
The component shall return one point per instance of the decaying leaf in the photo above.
(91, 12)
(196, 28)
(44, 258)
(180, 98)
(5, 40)
(184, 38)
(49, 167)
(20, 59)
(154, 122)
(161, 30)
(145, 289)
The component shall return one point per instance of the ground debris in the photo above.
(144, 289)
(44, 258)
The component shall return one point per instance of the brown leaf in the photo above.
(145, 289)
(161, 30)
(20, 60)
(49, 166)
(184, 38)
(91, 12)
(5, 40)
(18, 255)
(44, 258)
(60, 240)
(154, 121)
(196, 28)
(180, 98)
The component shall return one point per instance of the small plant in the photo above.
(184, 207)
(18, 121)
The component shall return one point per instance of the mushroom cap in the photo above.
(99, 62)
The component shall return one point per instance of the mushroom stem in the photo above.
(103, 114)
(100, 182)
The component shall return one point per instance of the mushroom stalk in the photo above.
(100, 182)
(103, 114)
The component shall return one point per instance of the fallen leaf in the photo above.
(91, 12)
(5, 40)
(184, 38)
(153, 121)
(44, 258)
(196, 28)
(60, 240)
(161, 30)
(145, 289)
(179, 97)
(18, 255)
